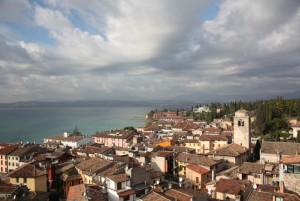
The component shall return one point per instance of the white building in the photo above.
(71, 141)
(296, 128)
(118, 188)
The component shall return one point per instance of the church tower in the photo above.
(242, 128)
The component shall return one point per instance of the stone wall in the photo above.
(291, 182)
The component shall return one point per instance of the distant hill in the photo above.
(101, 103)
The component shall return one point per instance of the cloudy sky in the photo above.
(160, 49)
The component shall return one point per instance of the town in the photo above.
(175, 156)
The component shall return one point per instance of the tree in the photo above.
(257, 150)
(298, 136)
(129, 128)
(76, 132)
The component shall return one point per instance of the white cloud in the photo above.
(157, 49)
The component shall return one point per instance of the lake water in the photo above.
(33, 124)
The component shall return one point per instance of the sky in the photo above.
(218, 50)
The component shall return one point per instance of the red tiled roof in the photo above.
(229, 150)
(212, 130)
(233, 187)
(119, 177)
(212, 138)
(75, 192)
(153, 196)
(198, 169)
(118, 134)
(295, 159)
(196, 159)
(126, 193)
(29, 171)
(8, 149)
(178, 195)
(93, 164)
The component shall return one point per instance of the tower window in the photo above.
(240, 123)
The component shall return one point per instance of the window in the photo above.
(119, 185)
(24, 180)
(279, 199)
(293, 169)
(240, 122)
(17, 179)
(71, 183)
(197, 180)
(257, 176)
(17, 164)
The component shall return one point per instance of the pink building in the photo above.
(4, 152)
(119, 138)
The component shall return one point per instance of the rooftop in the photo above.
(284, 148)
(118, 134)
(63, 138)
(198, 169)
(229, 150)
(196, 159)
(248, 168)
(233, 187)
(119, 177)
(29, 171)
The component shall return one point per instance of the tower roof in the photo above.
(242, 113)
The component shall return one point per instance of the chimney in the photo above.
(213, 174)
(281, 187)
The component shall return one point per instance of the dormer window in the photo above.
(240, 122)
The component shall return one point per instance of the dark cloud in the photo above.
(152, 50)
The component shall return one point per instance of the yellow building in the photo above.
(205, 143)
(197, 176)
(185, 159)
(33, 177)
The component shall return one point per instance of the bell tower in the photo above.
(242, 128)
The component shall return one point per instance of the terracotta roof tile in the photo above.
(119, 177)
(8, 149)
(229, 150)
(198, 169)
(260, 195)
(83, 192)
(196, 159)
(248, 168)
(93, 164)
(178, 195)
(212, 138)
(151, 196)
(284, 148)
(233, 187)
(27, 149)
(291, 159)
(30, 171)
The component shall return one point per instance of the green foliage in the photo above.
(298, 137)
(129, 128)
(257, 150)
(76, 132)
(270, 114)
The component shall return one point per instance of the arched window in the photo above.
(240, 122)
